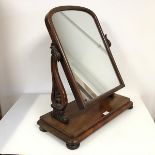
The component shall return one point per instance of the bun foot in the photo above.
(41, 129)
(131, 107)
(72, 146)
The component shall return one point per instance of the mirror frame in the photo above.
(64, 62)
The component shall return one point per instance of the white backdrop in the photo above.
(25, 53)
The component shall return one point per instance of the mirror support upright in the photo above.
(58, 95)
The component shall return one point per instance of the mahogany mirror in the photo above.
(86, 52)
(79, 43)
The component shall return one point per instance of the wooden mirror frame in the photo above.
(74, 122)
(64, 62)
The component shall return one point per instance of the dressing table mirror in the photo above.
(83, 50)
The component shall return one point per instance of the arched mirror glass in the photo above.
(87, 53)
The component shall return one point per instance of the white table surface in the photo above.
(131, 133)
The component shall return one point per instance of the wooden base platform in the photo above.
(82, 123)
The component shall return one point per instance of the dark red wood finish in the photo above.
(84, 122)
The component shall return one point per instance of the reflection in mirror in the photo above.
(86, 53)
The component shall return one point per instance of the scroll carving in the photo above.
(58, 95)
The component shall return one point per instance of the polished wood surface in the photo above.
(84, 122)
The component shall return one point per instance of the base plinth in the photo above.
(82, 123)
